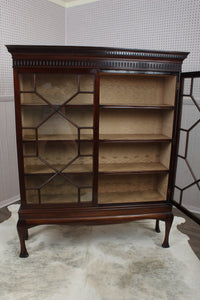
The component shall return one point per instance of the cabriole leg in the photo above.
(23, 233)
(157, 228)
(26, 234)
(168, 224)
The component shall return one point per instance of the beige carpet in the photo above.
(114, 262)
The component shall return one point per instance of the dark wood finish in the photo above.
(95, 57)
(168, 224)
(96, 139)
(157, 228)
(147, 107)
(189, 227)
(91, 60)
(23, 234)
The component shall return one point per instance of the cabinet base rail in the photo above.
(31, 219)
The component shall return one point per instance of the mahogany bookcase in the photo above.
(96, 135)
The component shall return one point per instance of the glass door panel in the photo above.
(58, 188)
(57, 134)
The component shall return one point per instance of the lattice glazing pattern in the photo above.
(188, 133)
(57, 143)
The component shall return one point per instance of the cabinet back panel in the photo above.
(132, 188)
(137, 89)
(124, 121)
(134, 153)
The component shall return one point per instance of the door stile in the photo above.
(96, 138)
(175, 141)
(19, 137)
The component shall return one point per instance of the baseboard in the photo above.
(9, 201)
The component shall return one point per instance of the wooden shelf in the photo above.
(120, 168)
(134, 138)
(128, 168)
(132, 106)
(103, 137)
(59, 198)
(70, 106)
(90, 106)
(72, 169)
(130, 197)
(57, 137)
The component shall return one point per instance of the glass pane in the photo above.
(82, 99)
(29, 134)
(80, 165)
(58, 154)
(32, 99)
(29, 149)
(60, 88)
(57, 127)
(32, 117)
(32, 185)
(58, 189)
(86, 83)
(86, 195)
(34, 165)
(57, 88)
(32, 197)
(26, 81)
(81, 117)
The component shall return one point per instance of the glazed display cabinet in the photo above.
(96, 135)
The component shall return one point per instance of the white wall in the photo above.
(144, 24)
(141, 24)
(21, 22)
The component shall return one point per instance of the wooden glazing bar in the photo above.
(34, 82)
(39, 196)
(96, 138)
(78, 141)
(79, 195)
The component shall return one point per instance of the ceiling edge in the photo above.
(72, 3)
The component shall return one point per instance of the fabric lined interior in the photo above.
(130, 89)
(132, 188)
